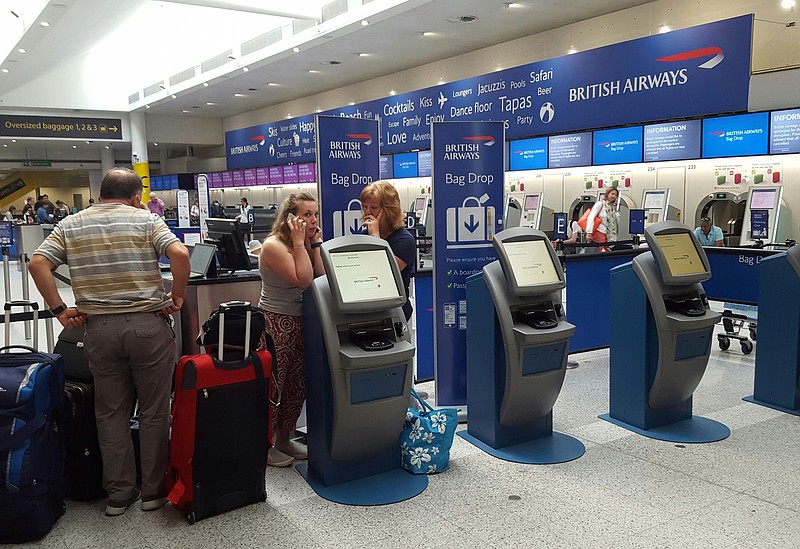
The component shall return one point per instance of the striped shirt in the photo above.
(112, 251)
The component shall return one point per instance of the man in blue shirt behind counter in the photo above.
(708, 234)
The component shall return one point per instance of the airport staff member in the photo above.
(708, 234)
(112, 250)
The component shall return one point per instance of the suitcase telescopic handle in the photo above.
(227, 307)
(21, 303)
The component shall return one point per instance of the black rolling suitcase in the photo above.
(83, 466)
(31, 452)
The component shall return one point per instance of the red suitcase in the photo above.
(221, 428)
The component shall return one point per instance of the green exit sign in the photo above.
(37, 164)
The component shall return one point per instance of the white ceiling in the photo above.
(392, 40)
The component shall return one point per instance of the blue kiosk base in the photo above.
(382, 489)
(555, 448)
(695, 430)
(793, 411)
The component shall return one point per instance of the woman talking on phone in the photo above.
(383, 218)
(289, 261)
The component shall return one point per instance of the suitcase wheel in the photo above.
(191, 518)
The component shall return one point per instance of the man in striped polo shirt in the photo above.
(112, 250)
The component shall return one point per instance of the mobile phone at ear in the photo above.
(291, 217)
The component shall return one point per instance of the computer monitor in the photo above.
(531, 202)
(636, 221)
(202, 256)
(759, 223)
(419, 206)
(678, 253)
(654, 200)
(529, 261)
(229, 237)
(763, 199)
(363, 274)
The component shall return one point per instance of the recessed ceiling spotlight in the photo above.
(74, 146)
(362, 54)
(174, 96)
(572, 50)
(442, 81)
(147, 106)
(13, 140)
(108, 146)
(5, 145)
(22, 50)
(44, 24)
(312, 71)
(239, 95)
(364, 22)
(5, 70)
(507, 5)
(155, 144)
(271, 84)
(295, 49)
(245, 69)
(88, 142)
(787, 4)
(352, 103)
(318, 110)
(392, 92)
(185, 111)
(288, 115)
(205, 84)
(210, 104)
(426, 34)
(664, 28)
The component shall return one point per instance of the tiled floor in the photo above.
(626, 491)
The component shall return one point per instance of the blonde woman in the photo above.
(289, 261)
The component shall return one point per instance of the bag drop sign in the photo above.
(348, 160)
(467, 166)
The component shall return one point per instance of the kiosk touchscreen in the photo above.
(661, 334)
(768, 201)
(531, 208)
(420, 205)
(359, 367)
(514, 380)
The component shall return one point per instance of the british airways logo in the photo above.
(467, 151)
(713, 56)
(350, 148)
(716, 56)
(251, 148)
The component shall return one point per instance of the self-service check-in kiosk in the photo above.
(661, 335)
(777, 378)
(359, 367)
(767, 201)
(517, 347)
(655, 202)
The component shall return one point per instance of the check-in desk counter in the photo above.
(588, 296)
(203, 295)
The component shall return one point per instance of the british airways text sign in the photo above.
(690, 72)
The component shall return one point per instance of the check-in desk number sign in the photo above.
(472, 222)
(349, 221)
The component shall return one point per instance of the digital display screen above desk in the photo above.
(763, 199)
(680, 254)
(740, 135)
(364, 276)
(528, 154)
(531, 263)
(617, 146)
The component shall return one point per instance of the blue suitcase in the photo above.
(31, 451)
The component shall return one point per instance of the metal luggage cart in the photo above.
(733, 324)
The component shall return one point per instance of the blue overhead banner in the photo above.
(467, 200)
(347, 161)
(689, 72)
(273, 144)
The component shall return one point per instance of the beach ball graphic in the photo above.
(547, 112)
